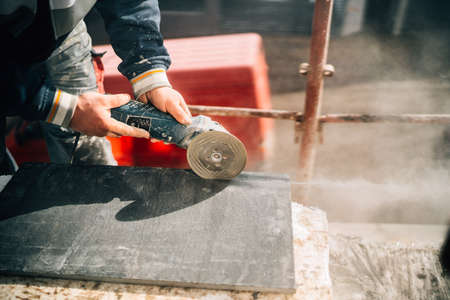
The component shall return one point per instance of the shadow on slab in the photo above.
(153, 191)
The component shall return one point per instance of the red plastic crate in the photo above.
(30, 150)
(224, 70)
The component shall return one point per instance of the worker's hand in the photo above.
(168, 100)
(92, 116)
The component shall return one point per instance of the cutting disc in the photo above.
(216, 155)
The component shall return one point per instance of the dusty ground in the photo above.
(367, 270)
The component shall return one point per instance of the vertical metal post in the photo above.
(314, 87)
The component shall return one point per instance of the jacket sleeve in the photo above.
(28, 96)
(133, 27)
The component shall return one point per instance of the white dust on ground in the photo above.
(367, 270)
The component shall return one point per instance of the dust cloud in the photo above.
(396, 173)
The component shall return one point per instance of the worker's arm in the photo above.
(26, 94)
(133, 27)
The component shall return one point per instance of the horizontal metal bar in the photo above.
(244, 112)
(327, 118)
(387, 118)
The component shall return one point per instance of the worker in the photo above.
(47, 73)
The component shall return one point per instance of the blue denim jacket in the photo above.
(133, 26)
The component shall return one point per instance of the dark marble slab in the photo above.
(148, 225)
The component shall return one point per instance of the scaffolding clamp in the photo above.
(328, 70)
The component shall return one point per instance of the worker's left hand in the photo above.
(168, 100)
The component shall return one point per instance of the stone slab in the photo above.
(148, 226)
(311, 256)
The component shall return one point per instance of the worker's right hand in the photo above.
(92, 116)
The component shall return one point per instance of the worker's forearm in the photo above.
(62, 108)
(148, 81)
(33, 105)
(133, 27)
(50, 105)
(26, 94)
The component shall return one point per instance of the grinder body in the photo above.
(212, 152)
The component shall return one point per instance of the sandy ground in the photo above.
(367, 270)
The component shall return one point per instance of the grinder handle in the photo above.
(160, 125)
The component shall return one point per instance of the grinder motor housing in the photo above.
(212, 152)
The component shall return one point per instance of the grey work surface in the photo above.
(148, 225)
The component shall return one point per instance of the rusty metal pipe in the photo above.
(387, 118)
(327, 118)
(245, 112)
(314, 87)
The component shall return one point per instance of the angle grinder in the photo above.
(212, 152)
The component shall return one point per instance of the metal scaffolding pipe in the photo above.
(387, 118)
(313, 101)
(327, 118)
(244, 112)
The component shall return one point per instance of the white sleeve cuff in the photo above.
(148, 81)
(62, 109)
